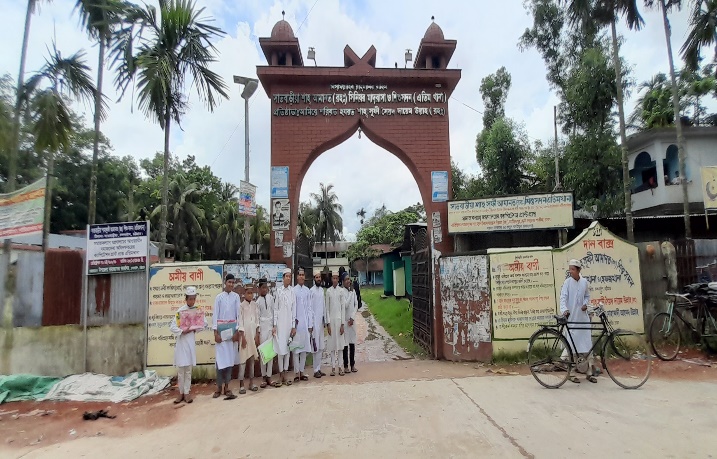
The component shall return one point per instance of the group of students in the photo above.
(294, 321)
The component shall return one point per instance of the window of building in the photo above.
(644, 173)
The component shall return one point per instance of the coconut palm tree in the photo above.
(329, 223)
(702, 32)
(361, 214)
(666, 6)
(608, 12)
(229, 231)
(654, 106)
(15, 143)
(259, 229)
(100, 18)
(50, 114)
(168, 52)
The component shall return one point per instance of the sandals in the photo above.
(217, 395)
(288, 382)
(354, 370)
(341, 372)
(229, 395)
(277, 384)
(317, 375)
(179, 399)
(591, 378)
(188, 399)
(253, 388)
(262, 385)
(242, 391)
(574, 379)
(333, 372)
(296, 379)
(304, 378)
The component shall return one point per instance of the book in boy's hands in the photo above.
(267, 351)
(190, 319)
(226, 329)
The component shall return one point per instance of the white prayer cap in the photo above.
(575, 263)
(191, 291)
(287, 271)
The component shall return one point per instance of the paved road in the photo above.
(496, 416)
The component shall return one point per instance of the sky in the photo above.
(487, 33)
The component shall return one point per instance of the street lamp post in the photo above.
(250, 85)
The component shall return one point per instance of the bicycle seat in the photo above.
(562, 320)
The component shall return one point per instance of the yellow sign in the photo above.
(522, 288)
(167, 284)
(511, 213)
(612, 267)
(709, 187)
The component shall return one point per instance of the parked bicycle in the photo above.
(665, 331)
(624, 354)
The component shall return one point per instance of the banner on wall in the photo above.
(23, 211)
(612, 267)
(167, 284)
(522, 291)
(250, 273)
(511, 213)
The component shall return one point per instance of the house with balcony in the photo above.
(330, 257)
(654, 169)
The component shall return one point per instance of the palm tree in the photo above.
(604, 12)
(186, 216)
(229, 230)
(654, 106)
(15, 143)
(702, 32)
(167, 52)
(259, 229)
(50, 114)
(328, 212)
(229, 192)
(665, 6)
(100, 18)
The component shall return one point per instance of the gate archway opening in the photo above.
(402, 110)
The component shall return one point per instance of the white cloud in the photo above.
(487, 34)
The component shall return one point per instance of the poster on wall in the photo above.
(22, 212)
(279, 182)
(522, 291)
(280, 214)
(278, 239)
(250, 273)
(114, 248)
(612, 267)
(247, 199)
(288, 249)
(439, 186)
(167, 284)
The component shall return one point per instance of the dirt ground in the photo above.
(39, 424)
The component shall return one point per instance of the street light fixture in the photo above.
(250, 85)
(311, 55)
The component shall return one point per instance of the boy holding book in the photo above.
(189, 319)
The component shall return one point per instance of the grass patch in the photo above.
(510, 357)
(395, 315)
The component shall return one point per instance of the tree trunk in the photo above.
(48, 200)
(326, 253)
(165, 189)
(623, 136)
(96, 143)
(682, 153)
(15, 147)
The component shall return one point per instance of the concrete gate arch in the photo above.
(402, 110)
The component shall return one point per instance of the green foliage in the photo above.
(503, 152)
(494, 90)
(329, 224)
(387, 227)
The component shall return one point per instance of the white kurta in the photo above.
(266, 316)
(304, 318)
(250, 320)
(284, 318)
(573, 295)
(185, 353)
(317, 306)
(350, 308)
(335, 316)
(226, 307)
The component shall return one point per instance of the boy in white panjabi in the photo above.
(185, 354)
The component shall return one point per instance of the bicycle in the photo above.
(665, 334)
(624, 354)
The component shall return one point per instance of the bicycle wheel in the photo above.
(665, 337)
(627, 359)
(549, 358)
(709, 333)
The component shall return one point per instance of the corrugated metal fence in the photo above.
(63, 287)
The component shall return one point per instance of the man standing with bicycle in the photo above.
(574, 301)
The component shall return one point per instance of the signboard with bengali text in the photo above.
(22, 212)
(511, 213)
(167, 284)
(114, 248)
(522, 292)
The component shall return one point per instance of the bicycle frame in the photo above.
(673, 309)
(604, 326)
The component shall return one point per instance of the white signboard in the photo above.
(439, 186)
(247, 199)
(280, 182)
(117, 248)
